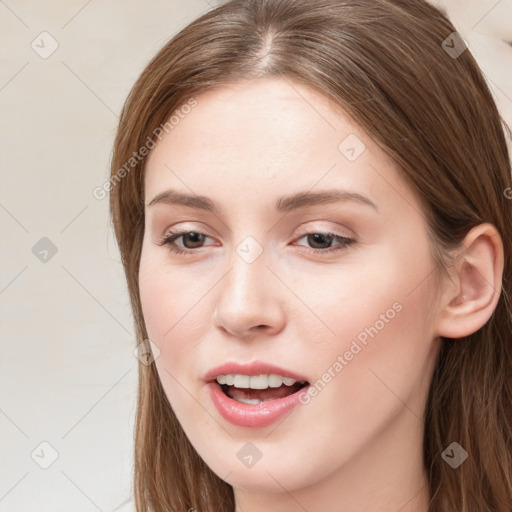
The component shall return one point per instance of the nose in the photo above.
(248, 301)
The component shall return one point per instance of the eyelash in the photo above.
(170, 237)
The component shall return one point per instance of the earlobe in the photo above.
(471, 297)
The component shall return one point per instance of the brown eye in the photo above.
(320, 243)
(318, 240)
(195, 239)
(191, 240)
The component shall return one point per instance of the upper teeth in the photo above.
(255, 381)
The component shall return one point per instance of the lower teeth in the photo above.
(251, 401)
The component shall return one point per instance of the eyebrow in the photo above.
(283, 204)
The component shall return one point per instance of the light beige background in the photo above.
(67, 369)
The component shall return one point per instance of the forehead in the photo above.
(259, 137)
(277, 115)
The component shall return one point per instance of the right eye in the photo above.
(196, 238)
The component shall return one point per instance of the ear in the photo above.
(470, 298)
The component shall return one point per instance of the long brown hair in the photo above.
(392, 66)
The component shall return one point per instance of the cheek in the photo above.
(382, 349)
(174, 317)
(375, 380)
(177, 313)
(175, 310)
(385, 289)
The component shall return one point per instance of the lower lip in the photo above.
(253, 416)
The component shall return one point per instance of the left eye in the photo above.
(194, 240)
(322, 239)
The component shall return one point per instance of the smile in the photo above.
(254, 395)
(255, 389)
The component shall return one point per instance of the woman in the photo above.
(312, 204)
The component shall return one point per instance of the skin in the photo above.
(357, 445)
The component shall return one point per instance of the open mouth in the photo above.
(258, 389)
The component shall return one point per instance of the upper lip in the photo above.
(252, 368)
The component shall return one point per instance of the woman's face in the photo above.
(263, 281)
